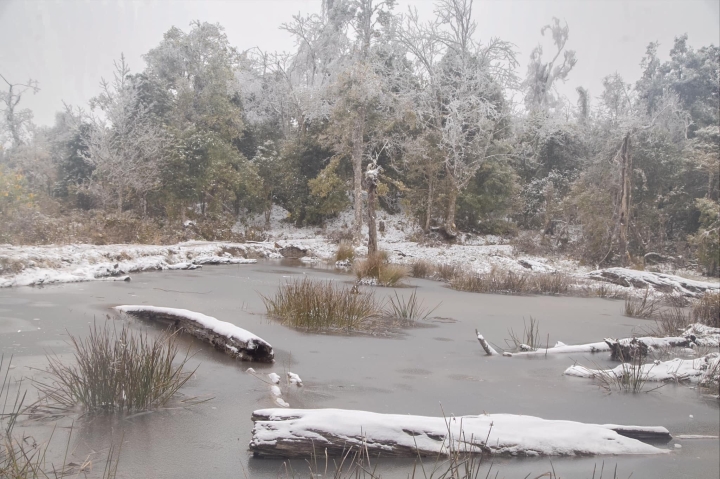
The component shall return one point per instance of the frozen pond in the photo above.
(424, 371)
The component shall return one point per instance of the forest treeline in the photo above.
(465, 141)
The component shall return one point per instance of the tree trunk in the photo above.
(450, 229)
(357, 151)
(625, 199)
(120, 200)
(428, 211)
(372, 227)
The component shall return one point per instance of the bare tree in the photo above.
(461, 96)
(125, 146)
(16, 121)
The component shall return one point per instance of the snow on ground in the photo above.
(36, 265)
(694, 370)
(503, 434)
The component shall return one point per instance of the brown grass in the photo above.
(422, 269)
(376, 266)
(322, 305)
(706, 309)
(345, 252)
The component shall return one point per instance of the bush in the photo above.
(376, 266)
(117, 371)
(345, 252)
(321, 305)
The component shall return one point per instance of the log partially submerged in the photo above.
(233, 340)
(296, 433)
(665, 283)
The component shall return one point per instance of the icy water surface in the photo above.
(426, 370)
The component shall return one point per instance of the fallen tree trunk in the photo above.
(489, 350)
(296, 433)
(665, 283)
(233, 340)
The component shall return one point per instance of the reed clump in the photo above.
(377, 267)
(706, 309)
(408, 310)
(345, 252)
(322, 305)
(117, 371)
(644, 307)
(422, 269)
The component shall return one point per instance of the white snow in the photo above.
(275, 391)
(281, 402)
(673, 370)
(223, 328)
(505, 434)
(36, 265)
(294, 379)
(657, 281)
(274, 378)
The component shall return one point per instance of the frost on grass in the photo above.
(226, 337)
(299, 432)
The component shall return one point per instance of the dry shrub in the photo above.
(447, 271)
(496, 281)
(345, 252)
(643, 308)
(321, 305)
(551, 283)
(408, 310)
(376, 266)
(706, 309)
(422, 269)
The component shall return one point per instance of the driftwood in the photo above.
(664, 283)
(226, 337)
(626, 350)
(298, 433)
(485, 345)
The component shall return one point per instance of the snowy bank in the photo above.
(302, 432)
(661, 282)
(693, 370)
(233, 340)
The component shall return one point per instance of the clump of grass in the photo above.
(321, 305)
(447, 271)
(631, 377)
(643, 308)
(376, 266)
(530, 338)
(21, 456)
(706, 309)
(408, 311)
(551, 283)
(345, 252)
(422, 269)
(671, 321)
(496, 281)
(117, 371)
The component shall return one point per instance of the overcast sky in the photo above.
(68, 45)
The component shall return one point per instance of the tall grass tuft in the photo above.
(345, 252)
(632, 377)
(643, 308)
(117, 371)
(530, 338)
(421, 269)
(706, 310)
(321, 305)
(376, 266)
(408, 311)
(496, 281)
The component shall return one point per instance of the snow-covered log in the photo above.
(666, 283)
(693, 370)
(302, 432)
(237, 342)
(624, 345)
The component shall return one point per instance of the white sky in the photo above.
(68, 45)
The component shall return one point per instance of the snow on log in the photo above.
(226, 337)
(666, 283)
(645, 343)
(693, 370)
(485, 345)
(293, 433)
